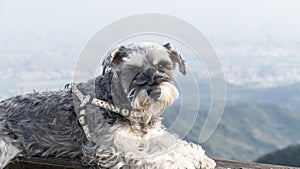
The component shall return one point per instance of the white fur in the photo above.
(136, 59)
(7, 151)
(160, 149)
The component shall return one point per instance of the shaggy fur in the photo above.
(138, 76)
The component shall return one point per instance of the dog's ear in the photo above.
(176, 58)
(114, 58)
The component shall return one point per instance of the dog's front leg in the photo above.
(176, 153)
(190, 156)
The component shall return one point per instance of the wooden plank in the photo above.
(221, 164)
(49, 163)
(60, 163)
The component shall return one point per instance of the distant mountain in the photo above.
(287, 95)
(288, 156)
(246, 131)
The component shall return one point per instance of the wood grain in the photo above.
(42, 163)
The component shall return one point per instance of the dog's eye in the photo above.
(163, 66)
(160, 66)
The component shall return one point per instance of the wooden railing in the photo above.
(41, 163)
(226, 164)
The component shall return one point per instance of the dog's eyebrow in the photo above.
(164, 63)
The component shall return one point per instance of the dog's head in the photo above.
(143, 76)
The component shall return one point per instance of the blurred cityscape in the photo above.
(38, 57)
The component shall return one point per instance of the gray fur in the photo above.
(136, 76)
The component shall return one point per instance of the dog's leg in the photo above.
(193, 155)
(162, 151)
(7, 151)
(180, 154)
(183, 155)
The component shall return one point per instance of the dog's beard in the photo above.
(154, 107)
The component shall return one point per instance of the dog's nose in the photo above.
(154, 93)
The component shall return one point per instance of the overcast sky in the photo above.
(224, 18)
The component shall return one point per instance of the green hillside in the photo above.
(247, 131)
(288, 156)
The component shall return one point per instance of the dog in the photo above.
(113, 120)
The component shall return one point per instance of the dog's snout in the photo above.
(154, 93)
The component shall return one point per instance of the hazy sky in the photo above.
(226, 18)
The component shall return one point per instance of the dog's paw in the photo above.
(207, 163)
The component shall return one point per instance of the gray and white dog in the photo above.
(135, 77)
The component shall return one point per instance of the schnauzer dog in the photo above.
(113, 120)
